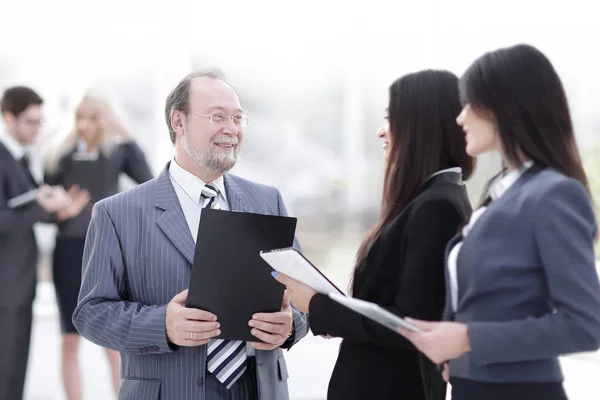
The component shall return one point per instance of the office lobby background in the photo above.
(312, 77)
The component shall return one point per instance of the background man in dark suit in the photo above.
(21, 109)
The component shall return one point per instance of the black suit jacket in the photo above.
(404, 273)
(126, 158)
(18, 248)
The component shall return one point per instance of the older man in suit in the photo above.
(22, 114)
(137, 260)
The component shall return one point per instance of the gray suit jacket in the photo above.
(137, 257)
(528, 287)
(18, 248)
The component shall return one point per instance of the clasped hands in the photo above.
(66, 204)
(194, 327)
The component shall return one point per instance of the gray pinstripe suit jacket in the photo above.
(137, 257)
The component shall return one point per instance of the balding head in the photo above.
(179, 98)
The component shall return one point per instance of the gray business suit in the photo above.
(137, 256)
(528, 287)
(18, 267)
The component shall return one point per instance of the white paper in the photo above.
(294, 265)
(374, 312)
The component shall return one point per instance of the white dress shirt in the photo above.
(14, 148)
(497, 189)
(82, 152)
(188, 188)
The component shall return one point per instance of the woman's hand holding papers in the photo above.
(439, 341)
(300, 294)
(273, 328)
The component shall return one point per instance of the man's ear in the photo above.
(8, 117)
(177, 122)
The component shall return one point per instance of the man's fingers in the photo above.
(285, 304)
(268, 327)
(181, 297)
(263, 346)
(199, 336)
(267, 337)
(275, 318)
(198, 315)
(197, 326)
(190, 339)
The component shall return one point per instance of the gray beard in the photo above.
(211, 160)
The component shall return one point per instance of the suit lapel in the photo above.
(20, 174)
(235, 195)
(172, 221)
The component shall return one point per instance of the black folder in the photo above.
(229, 278)
(89, 175)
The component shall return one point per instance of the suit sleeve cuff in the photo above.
(318, 312)
(479, 340)
(151, 332)
(289, 342)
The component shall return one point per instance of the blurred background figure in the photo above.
(91, 154)
(22, 115)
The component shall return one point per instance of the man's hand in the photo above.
(53, 198)
(79, 199)
(189, 326)
(273, 328)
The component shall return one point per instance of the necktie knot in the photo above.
(209, 191)
(209, 196)
(25, 161)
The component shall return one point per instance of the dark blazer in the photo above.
(18, 267)
(404, 273)
(18, 248)
(527, 282)
(126, 158)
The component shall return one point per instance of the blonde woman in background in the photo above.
(92, 154)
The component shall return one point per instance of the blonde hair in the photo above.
(66, 140)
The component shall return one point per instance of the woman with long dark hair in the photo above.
(400, 264)
(521, 277)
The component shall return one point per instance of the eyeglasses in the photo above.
(220, 118)
(35, 123)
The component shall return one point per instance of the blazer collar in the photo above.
(20, 173)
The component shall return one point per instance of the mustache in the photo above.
(226, 139)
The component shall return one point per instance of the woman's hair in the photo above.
(518, 89)
(425, 138)
(66, 141)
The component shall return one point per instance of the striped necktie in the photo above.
(226, 359)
